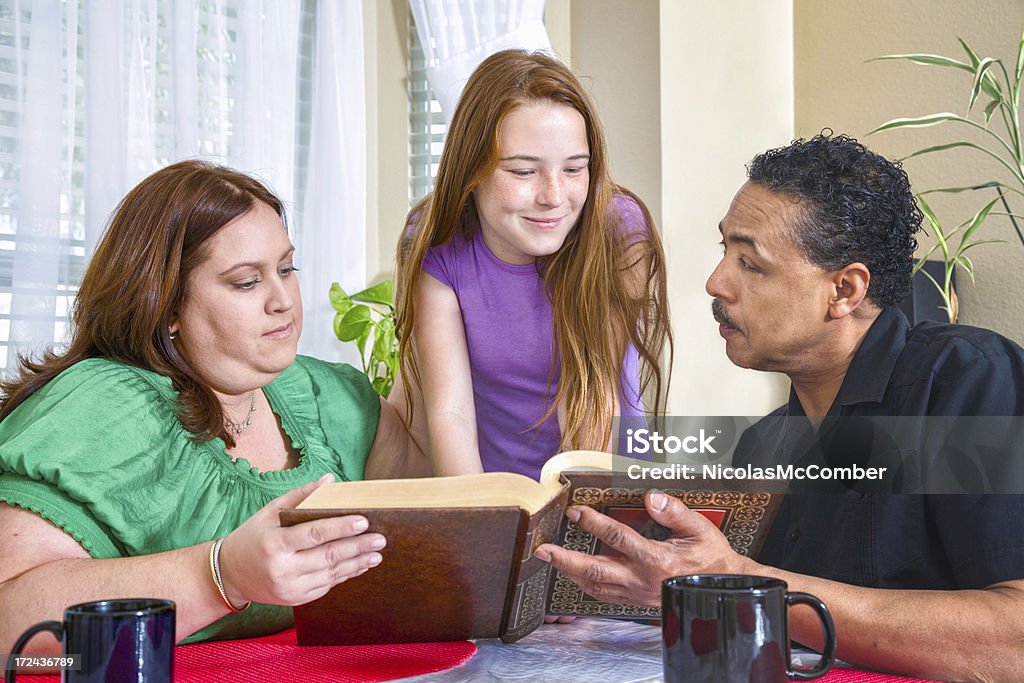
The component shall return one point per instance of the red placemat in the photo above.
(277, 657)
(838, 675)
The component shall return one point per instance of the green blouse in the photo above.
(99, 452)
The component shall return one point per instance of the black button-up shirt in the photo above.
(899, 540)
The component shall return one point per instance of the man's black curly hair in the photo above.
(857, 207)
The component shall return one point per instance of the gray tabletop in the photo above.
(605, 650)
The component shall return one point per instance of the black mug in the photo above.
(107, 641)
(725, 628)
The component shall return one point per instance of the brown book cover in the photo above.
(459, 562)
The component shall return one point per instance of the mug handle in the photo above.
(828, 655)
(54, 627)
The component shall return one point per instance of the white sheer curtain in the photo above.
(335, 200)
(96, 95)
(457, 35)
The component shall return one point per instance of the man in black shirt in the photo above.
(933, 372)
(819, 249)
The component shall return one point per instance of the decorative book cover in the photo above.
(459, 561)
(744, 516)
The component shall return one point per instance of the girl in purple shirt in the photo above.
(531, 306)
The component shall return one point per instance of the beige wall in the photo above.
(387, 132)
(726, 94)
(558, 22)
(837, 87)
(625, 85)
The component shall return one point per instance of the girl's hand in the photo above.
(264, 562)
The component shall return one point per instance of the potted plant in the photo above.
(367, 318)
(1000, 90)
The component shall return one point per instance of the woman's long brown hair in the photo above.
(603, 277)
(136, 282)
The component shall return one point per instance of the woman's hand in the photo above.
(264, 562)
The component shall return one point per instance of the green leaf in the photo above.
(339, 299)
(982, 186)
(942, 290)
(1019, 71)
(940, 237)
(361, 340)
(929, 214)
(971, 54)
(979, 77)
(353, 324)
(381, 344)
(990, 109)
(386, 328)
(962, 143)
(392, 361)
(929, 276)
(918, 122)
(976, 243)
(382, 385)
(942, 148)
(978, 219)
(934, 119)
(990, 85)
(382, 293)
(967, 265)
(372, 330)
(927, 60)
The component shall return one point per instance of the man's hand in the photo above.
(696, 546)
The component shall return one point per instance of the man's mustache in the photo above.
(718, 310)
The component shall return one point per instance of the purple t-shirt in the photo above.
(507, 319)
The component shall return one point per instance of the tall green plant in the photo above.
(367, 318)
(953, 255)
(991, 81)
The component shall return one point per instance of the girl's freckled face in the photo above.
(533, 199)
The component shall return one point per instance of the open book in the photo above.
(459, 561)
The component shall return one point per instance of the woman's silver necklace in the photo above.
(238, 427)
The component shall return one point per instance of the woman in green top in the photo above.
(180, 414)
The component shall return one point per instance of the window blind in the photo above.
(427, 126)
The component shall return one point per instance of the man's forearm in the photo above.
(969, 635)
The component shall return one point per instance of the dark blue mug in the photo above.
(732, 627)
(107, 641)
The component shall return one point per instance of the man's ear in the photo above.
(849, 290)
